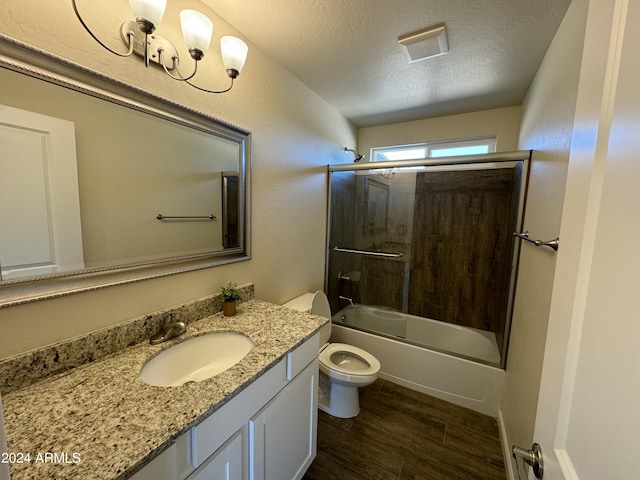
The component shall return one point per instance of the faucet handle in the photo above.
(170, 329)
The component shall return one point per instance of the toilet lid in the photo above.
(341, 351)
(320, 305)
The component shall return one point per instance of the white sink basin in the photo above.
(196, 359)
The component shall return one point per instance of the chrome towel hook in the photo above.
(538, 243)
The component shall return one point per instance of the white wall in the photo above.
(588, 403)
(547, 126)
(295, 134)
(502, 123)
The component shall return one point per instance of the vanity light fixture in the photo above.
(139, 37)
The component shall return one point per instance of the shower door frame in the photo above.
(498, 157)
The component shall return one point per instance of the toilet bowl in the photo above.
(343, 368)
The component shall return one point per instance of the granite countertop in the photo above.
(102, 422)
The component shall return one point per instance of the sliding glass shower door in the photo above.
(431, 242)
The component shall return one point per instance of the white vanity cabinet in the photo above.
(4, 467)
(282, 436)
(267, 431)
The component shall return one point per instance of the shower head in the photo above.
(359, 156)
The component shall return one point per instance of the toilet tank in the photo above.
(316, 304)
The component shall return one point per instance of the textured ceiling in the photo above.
(347, 51)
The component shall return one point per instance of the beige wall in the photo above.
(547, 126)
(295, 134)
(502, 123)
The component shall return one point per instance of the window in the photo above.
(434, 149)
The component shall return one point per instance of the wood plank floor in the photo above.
(404, 434)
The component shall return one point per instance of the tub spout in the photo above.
(346, 299)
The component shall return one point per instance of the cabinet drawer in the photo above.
(212, 432)
(302, 356)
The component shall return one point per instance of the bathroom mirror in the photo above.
(144, 187)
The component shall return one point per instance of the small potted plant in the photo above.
(230, 296)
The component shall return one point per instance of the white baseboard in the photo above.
(506, 448)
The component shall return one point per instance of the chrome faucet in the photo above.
(172, 330)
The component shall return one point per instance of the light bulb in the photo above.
(197, 30)
(149, 10)
(234, 53)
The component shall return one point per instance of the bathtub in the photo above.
(452, 378)
(441, 336)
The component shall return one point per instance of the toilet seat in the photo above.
(354, 364)
(343, 368)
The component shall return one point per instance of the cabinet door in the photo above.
(224, 464)
(282, 436)
(172, 464)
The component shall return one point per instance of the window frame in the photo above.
(429, 147)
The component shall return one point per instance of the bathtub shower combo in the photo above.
(421, 265)
(454, 339)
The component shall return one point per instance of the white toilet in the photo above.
(343, 368)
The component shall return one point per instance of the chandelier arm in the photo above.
(146, 49)
(130, 34)
(211, 91)
(179, 77)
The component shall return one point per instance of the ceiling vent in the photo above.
(427, 43)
